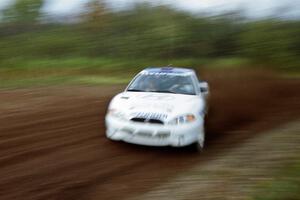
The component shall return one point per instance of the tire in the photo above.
(199, 145)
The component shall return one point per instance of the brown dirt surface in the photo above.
(52, 143)
(241, 173)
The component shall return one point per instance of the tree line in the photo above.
(146, 32)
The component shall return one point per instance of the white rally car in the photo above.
(160, 107)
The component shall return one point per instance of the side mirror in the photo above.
(204, 88)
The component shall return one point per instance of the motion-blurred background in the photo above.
(61, 62)
(64, 41)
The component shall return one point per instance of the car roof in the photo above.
(172, 70)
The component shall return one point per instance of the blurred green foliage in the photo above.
(141, 36)
(23, 11)
(285, 185)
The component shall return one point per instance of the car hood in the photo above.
(159, 105)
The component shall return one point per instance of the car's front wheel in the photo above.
(198, 146)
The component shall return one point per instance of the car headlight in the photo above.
(116, 113)
(183, 119)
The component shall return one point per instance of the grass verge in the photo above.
(21, 72)
(284, 185)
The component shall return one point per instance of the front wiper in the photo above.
(164, 91)
(159, 91)
(135, 90)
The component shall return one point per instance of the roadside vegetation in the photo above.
(284, 185)
(102, 45)
(93, 71)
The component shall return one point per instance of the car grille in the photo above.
(163, 134)
(148, 134)
(145, 120)
(144, 134)
(159, 134)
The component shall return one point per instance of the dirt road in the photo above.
(240, 173)
(52, 143)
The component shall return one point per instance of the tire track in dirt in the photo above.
(54, 147)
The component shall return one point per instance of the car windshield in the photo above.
(164, 83)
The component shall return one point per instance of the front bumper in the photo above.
(154, 134)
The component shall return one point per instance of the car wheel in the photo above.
(199, 144)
